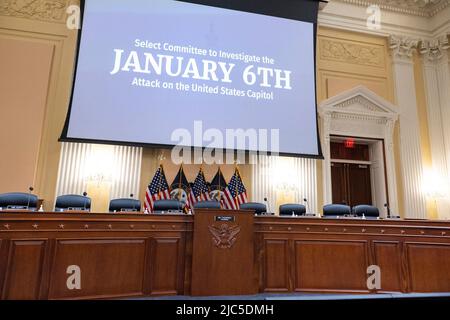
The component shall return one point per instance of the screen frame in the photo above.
(237, 5)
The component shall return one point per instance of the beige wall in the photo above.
(24, 64)
(39, 87)
(44, 49)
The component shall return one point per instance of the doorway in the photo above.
(357, 171)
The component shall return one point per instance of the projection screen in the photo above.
(147, 71)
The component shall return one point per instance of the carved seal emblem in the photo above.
(224, 235)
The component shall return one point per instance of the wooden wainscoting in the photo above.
(128, 255)
(118, 255)
(332, 255)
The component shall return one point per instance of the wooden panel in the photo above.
(223, 253)
(429, 267)
(109, 267)
(3, 260)
(24, 267)
(388, 258)
(330, 265)
(276, 265)
(165, 264)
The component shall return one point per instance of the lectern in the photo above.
(223, 253)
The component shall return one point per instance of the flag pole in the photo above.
(179, 182)
(220, 189)
(160, 174)
(236, 170)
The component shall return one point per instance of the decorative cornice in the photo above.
(46, 10)
(359, 103)
(434, 49)
(402, 47)
(422, 8)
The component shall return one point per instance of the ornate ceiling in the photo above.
(426, 8)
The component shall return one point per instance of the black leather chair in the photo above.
(335, 210)
(18, 200)
(366, 210)
(168, 205)
(72, 202)
(259, 208)
(289, 208)
(212, 204)
(124, 204)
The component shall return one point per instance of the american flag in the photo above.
(235, 193)
(199, 189)
(158, 189)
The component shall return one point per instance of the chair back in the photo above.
(211, 204)
(336, 210)
(72, 202)
(168, 205)
(366, 210)
(124, 204)
(259, 208)
(292, 208)
(18, 200)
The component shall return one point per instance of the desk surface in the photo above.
(130, 254)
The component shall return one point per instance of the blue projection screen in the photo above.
(147, 69)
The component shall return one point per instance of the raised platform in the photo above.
(136, 255)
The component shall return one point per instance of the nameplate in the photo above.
(17, 207)
(224, 218)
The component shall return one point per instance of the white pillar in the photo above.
(390, 166)
(411, 155)
(436, 71)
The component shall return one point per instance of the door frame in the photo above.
(377, 164)
(362, 114)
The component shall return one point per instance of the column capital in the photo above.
(434, 49)
(402, 47)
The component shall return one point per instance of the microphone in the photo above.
(386, 205)
(30, 189)
(134, 203)
(85, 200)
(307, 205)
(267, 204)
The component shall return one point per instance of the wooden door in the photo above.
(351, 184)
(339, 183)
(359, 187)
